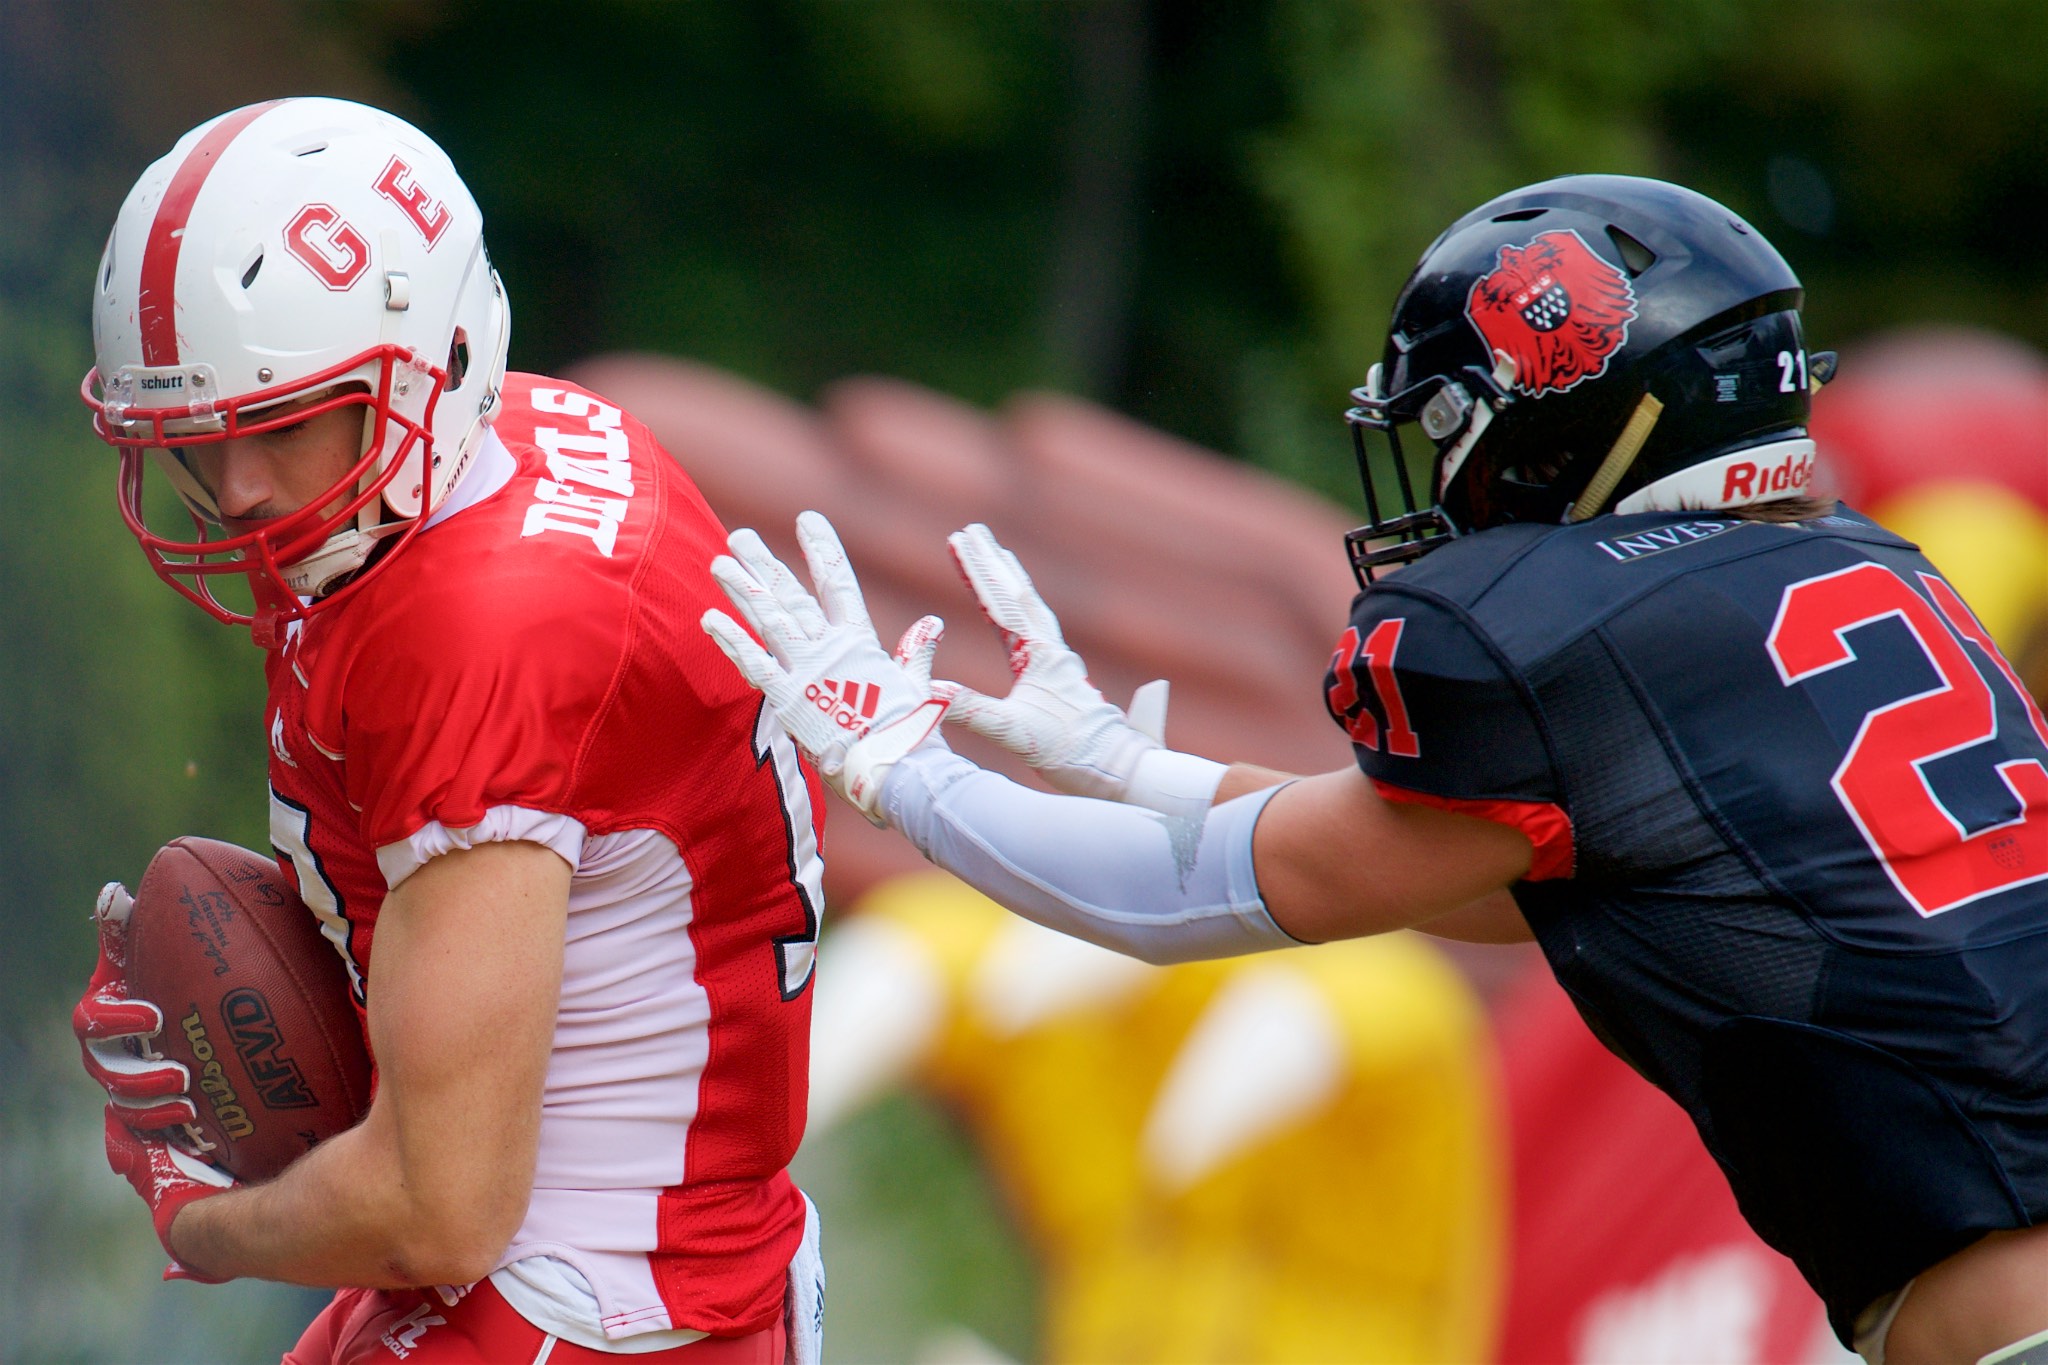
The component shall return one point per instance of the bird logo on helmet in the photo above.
(1556, 309)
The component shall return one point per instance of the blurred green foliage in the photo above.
(981, 197)
(1197, 213)
(916, 1241)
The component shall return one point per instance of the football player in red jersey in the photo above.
(578, 912)
(1742, 763)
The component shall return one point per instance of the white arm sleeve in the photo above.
(1128, 879)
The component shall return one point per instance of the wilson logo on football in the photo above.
(214, 1084)
(1556, 308)
(850, 704)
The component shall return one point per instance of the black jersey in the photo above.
(1790, 810)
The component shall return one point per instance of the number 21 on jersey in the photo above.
(1376, 651)
(1934, 861)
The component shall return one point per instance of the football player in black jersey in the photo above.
(1741, 762)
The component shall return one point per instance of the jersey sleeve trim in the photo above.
(562, 834)
(1544, 823)
(1459, 715)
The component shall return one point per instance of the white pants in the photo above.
(803, 1308)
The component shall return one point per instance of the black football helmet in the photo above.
(1587, 342)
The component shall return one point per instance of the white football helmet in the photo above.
(293, 248)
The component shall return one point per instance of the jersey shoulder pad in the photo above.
(469, 677)
(1432, 706)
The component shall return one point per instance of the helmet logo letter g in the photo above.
(319, 239)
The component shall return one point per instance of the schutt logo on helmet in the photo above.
(1555, 308)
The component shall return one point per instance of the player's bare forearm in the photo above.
(1336, 860)
(1492, 918)
(430, 1187)
(342, 1214)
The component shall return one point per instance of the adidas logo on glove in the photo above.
(850, 704)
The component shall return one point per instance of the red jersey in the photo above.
(531, 667)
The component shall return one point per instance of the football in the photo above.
(256, 1003)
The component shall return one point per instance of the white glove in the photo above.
(1054, 718)
(853, 707)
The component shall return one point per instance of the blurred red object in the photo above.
(1934, 403)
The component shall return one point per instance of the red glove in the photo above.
(147, 1089)
(167, 1180)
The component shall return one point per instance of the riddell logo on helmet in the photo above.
(1746, 479)
(850, 704)
(1554, 307)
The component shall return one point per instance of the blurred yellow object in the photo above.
(1990, 543)
(1294, 1157)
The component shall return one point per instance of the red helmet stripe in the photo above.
(156, 307)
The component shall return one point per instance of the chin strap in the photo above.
(1626, 447)
(339, 556)
(1454, 457)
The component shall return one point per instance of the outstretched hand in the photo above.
(852, 706)
(1053, 718)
